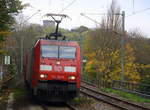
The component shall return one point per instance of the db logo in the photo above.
(58, 68)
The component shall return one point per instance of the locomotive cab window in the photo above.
(49, 51)
(53, 51)
(67, 52)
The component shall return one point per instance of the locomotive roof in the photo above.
(56, 42)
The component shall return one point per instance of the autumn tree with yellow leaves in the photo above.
(102, 50)
(104, 61)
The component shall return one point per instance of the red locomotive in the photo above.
(52, 68)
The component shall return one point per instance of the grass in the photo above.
(132, 97)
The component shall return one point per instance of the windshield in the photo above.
(67, 52)
(52, 51)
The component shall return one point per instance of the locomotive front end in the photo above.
(59, 71)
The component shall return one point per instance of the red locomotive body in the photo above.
(52, 69)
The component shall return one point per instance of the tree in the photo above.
(141, 46)
(80, 29)
(113, 19)
(8, 10)
(102, 49)
(24, 37)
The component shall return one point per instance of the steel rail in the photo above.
(102, 99)
(71, 106)
(123, 104)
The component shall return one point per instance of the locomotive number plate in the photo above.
(58, 68)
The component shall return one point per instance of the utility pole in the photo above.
(122, 47)
(21, 68)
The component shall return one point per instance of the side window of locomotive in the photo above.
(49, 51)
(67, 52)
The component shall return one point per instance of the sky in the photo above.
(137, 12)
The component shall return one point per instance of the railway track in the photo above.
(71, 106)
(114, 101)
(67, 106)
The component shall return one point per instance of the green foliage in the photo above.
(141, 46)
(132, 97)
(146, 81)
(80, 29)
(102, 51)
(8, 10)
(48, 30)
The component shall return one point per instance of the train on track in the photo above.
(52, 67)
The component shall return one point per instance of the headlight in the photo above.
(72, 77)
(70, 69)
(46, 67)
(43, 75)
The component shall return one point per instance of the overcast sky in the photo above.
(139, 20)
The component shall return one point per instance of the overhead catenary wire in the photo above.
(137, 12)
(67, 6)
(82, 14)
(32, 15)
(96, 13)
